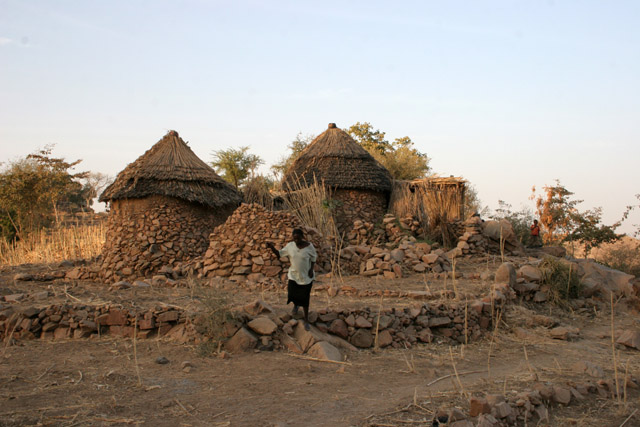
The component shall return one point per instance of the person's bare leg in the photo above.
(306, 317)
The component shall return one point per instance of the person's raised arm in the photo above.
(276, 252)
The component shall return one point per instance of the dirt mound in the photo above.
(238, 247)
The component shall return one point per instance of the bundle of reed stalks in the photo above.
(311, 204)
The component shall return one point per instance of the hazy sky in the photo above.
(508, 94)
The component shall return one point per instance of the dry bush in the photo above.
(312, 204)
(215, 313)
(55, 245)
(563, 282)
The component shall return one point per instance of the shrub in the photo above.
(561, 279)
(215, 313)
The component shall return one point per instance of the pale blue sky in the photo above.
(508, 94)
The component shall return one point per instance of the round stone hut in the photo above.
(359, 184)
(163, 208)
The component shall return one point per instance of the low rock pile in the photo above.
(238, 249)
(472, 241)
(409, 257)
(392, 231)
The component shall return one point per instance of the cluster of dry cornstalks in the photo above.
(55, 245)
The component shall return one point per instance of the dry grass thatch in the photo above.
(309, 203)
(171, 169)
(338, 161)
(435, 202)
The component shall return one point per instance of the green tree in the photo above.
(625, 216)
(400, 157)
(236, 164)
(299, 143)
(371, 140)
(589, 231)
(34, 189)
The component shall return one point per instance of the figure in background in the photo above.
(536, 242)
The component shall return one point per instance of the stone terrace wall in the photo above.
(60, 321)
(365, 205)
(145, 234)
(451, 323)
(238, 247)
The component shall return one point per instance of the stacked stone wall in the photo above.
(399, 328)
(238, 248)
(61, 321)
(366, 205)
(143, 235)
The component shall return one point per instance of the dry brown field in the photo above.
(111, 381)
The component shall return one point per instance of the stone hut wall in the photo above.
(144, 235)
(238, 247)
(366, 205)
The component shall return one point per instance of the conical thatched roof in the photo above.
(340, 162)
(170, 168)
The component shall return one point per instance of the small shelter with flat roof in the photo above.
(163, 207)
(360, 185)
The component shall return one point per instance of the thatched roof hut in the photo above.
(340, 162)
(170, 168)
(163, 208)
(356, 180)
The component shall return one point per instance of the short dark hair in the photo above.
(298, 231)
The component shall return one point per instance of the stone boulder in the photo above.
(630, 339)
(530, 273)
(325, 351)
(502, 230)
(262, 325)
(608, 279)
(506, 274)
(243, 340)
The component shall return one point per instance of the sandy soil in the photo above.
(111, 381)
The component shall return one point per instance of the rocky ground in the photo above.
(539, 364)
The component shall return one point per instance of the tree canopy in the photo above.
(400, 157)
(34, 189)
(236, 164)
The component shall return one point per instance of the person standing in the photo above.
(302, 256)
(535, 234)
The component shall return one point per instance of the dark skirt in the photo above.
(298, 294)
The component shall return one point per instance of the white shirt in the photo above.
(301, 260)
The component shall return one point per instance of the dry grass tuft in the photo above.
(215, 313)
(562, 281)
(55, 245)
